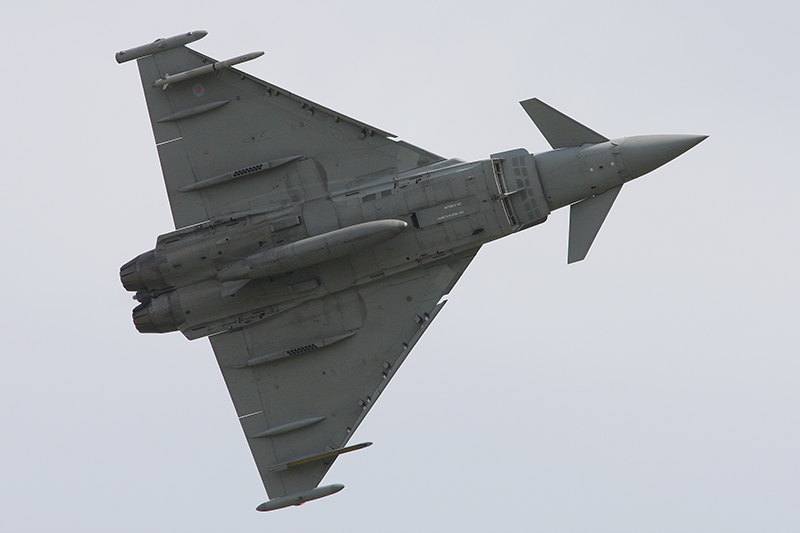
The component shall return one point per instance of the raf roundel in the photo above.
(198, 90)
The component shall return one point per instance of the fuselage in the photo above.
(246, 267)
(450, 209)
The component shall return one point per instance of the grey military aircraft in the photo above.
(314, 250)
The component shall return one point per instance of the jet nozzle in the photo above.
(645, 153)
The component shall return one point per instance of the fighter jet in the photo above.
(314, 250)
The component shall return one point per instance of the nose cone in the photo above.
(646, 153)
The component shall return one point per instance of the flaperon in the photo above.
(315, 249)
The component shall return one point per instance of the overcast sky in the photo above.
(652, 387)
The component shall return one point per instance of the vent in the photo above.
(302, 349)
(223, 178)
(275, 356)
(248, 170)
(518, 163)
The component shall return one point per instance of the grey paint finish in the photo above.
(559, 130)
(645, 153)
(585, 219)
(309, 326)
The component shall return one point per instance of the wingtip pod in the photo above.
(299, 498)
(160, 45)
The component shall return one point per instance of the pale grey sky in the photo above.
(652, 387)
